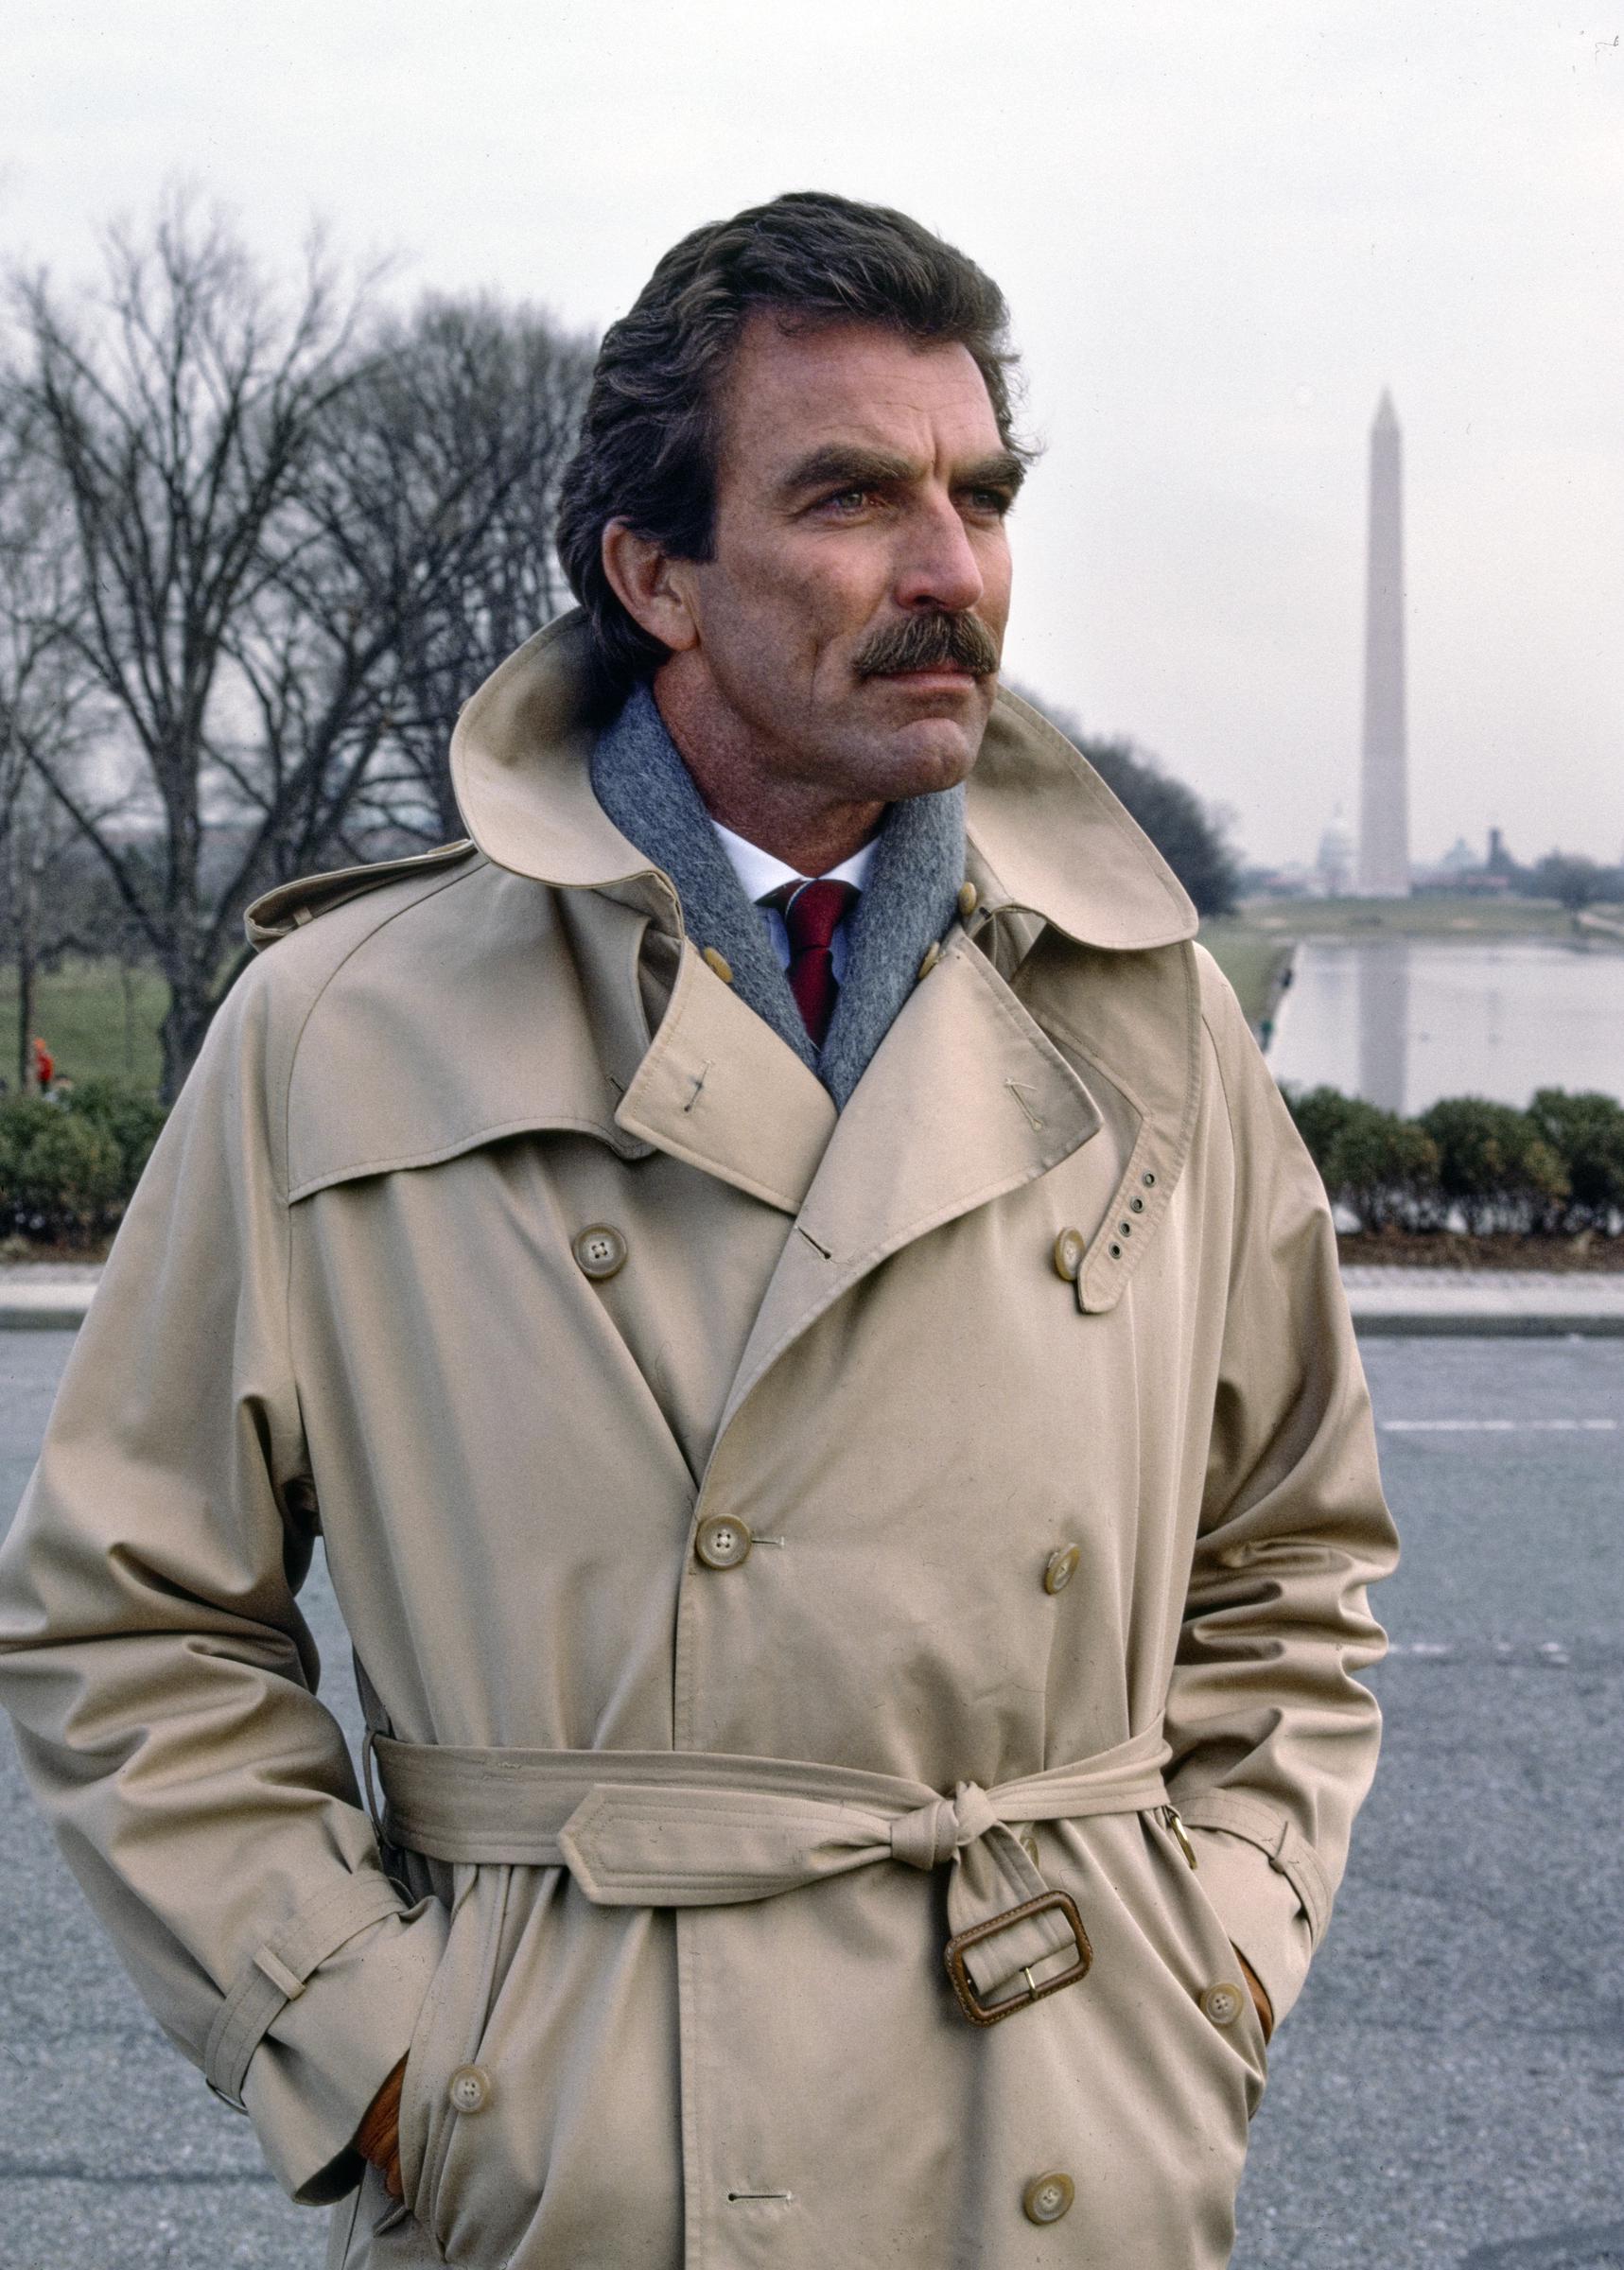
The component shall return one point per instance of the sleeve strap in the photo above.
(276, 1975)
(1289, 1849)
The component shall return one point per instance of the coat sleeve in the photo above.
(1274, 1738)
(158, 1670)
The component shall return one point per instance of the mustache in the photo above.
(929, 643)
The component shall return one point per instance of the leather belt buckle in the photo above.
(991, 2014)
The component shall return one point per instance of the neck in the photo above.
(803, 825)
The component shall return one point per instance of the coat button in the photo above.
(715, 959)
(722, 1542)
(1060, 1568)
(600, 1250)
(933, 955)
(1047, 2198)
(1223, 2003)
(469, 2088)
(1069, 1248)
(969, 897)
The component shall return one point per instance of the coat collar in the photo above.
(1047, 834)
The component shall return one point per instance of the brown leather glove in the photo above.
(1256, 1989)
(377, 2138)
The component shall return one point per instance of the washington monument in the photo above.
(1384, 799)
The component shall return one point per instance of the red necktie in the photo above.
(812, 913)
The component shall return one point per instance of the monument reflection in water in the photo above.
(1402, 1022)
(1383, 984)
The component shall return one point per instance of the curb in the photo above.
(1487, 1324)
(1390, 1303)
(44, 1307)
(1405, 1306)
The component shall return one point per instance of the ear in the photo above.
(655, 590)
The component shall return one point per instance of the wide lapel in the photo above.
(719, 1088)
(966, 1099)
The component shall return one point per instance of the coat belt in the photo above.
(663, 1828)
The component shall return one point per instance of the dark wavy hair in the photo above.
(647, 451)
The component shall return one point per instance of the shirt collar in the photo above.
(759, 872)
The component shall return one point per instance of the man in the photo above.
(833, 1419)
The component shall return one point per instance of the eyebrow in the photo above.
(840, 464)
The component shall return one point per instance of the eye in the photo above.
(995, 502)
(846, 503)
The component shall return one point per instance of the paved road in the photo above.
(1449, 2095)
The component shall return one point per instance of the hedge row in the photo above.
(69, 1161)
(1556, 1169)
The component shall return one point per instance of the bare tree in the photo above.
(178, 413)
(43, 693)
(440, 491)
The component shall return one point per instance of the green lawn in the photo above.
(80, 1011)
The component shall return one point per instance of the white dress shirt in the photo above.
(759, 872)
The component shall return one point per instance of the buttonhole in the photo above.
(813, 1242)
(734, 2195)
(698, 1084)
(1019, 1095)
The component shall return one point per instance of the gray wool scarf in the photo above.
(640, 778)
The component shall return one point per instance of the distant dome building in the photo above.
(1334, 862)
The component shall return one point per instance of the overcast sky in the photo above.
(1222, 230)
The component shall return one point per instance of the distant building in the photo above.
(1460, 874)
(1384, 788)
(1334, 864)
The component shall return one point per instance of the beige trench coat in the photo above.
(1055, 1295)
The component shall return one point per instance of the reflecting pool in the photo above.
(1404, 1021)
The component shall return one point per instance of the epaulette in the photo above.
(281, 912)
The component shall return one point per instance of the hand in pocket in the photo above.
(377, 2138)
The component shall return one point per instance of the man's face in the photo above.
(852, 615)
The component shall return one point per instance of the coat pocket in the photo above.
(445, 2082)
(1217, 1965)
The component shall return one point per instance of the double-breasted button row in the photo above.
(1048, 2197)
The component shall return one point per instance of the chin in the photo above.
(930, 755)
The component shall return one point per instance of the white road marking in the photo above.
(1498, 1426)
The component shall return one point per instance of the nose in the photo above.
(938, 570)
